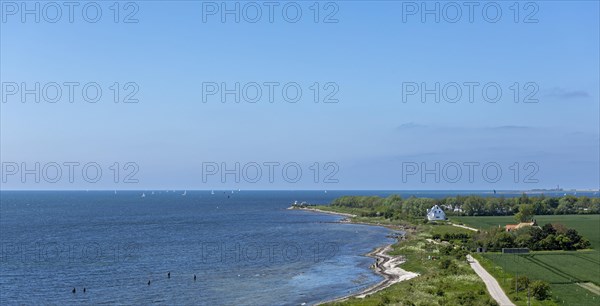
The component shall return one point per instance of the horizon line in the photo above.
(229, 189)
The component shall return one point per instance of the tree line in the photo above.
(548, 237)
(394, 207)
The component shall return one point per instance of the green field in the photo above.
(562, 269)
(587, 225)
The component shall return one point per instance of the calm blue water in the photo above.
(245, 248)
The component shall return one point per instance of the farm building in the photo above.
(512, 227)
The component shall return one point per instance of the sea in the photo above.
(176, 247)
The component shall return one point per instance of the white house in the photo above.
(435, 213)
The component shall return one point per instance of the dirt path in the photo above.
(591, 287)
(490, 282)
(466, 227)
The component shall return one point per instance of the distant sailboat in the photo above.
(184, 192)
(143, 195)
(115, 192)
(232, 192)
(212, 192)
(325, 191)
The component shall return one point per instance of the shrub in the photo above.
(460, 254)
(445, 263)
(540, 290)
(448, 266)
(446, 249)
(522, 282)
(466, 298)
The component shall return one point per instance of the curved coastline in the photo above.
(322, 211)
(385, 265)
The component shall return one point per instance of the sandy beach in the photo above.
(385, 265)
(323, 211)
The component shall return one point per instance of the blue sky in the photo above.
(370, 135)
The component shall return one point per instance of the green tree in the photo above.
(548, 229)
(525, 213)
(503, 240)
(523, 240)
(540, 290)
(524, 199)
(564, 242)
(566, 205)
(474, 206)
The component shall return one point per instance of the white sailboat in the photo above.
(143, 195)
(184, 193)
(212, 192)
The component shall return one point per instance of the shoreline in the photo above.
(322, 211)
(385, 265)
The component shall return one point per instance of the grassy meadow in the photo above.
(456, 285)
(568, 272)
